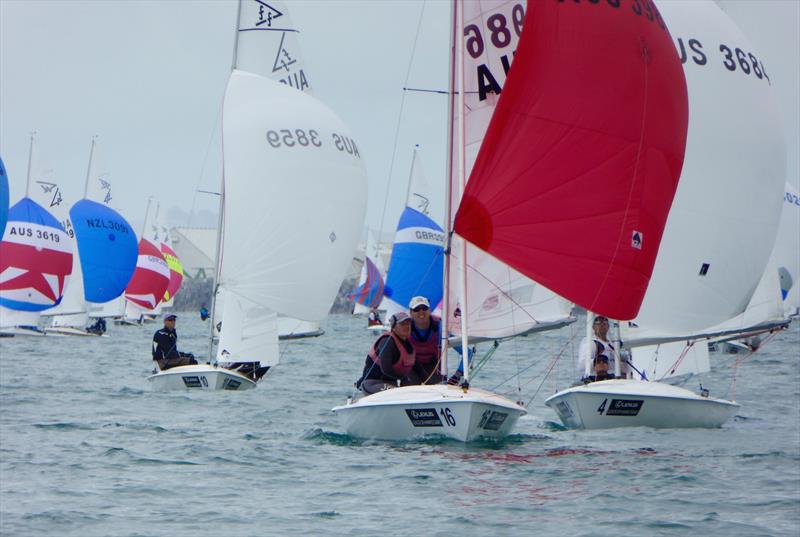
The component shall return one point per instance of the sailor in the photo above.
(390, 359)
(374, 318)
(204, 314)
(425, 338)
(165, 346)
(99, 327)
(598, 360)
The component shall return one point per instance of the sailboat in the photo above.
(105, 250)
(150, 280)
(417, 261)
(503, 302)
(369, 293)
(35, 258)
(727, 202)
(292, 171)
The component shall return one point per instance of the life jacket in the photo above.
(403, 365)
(427, 351)
(606, 349)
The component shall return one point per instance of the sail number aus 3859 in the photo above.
(310, 138)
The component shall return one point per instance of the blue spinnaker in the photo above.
(108, 248)
(3, 198)
(417, 264)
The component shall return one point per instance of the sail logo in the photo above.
(636, 240)
(266, 14)
(48, 188)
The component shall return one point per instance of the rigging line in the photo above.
(732, 387)
(507, 295)
(399, 118)
(203, 166)
(673, 367)
(550, 368)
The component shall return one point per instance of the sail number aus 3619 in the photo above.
(310, 138)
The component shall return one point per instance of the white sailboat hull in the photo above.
(70, 331)
(414, 412)
(206, 377)
(636, 403)
(21, 331)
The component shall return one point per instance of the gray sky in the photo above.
(148, 77)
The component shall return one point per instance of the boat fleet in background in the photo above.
(77, 265)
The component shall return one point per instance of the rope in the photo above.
(673, 367)
(732, 388)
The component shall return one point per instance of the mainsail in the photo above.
(293, 171)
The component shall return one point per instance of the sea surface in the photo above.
(86, 449)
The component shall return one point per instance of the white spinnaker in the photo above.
(767, 303)
(726, 208)
(249, 333)
(295, 206)
(268, 45)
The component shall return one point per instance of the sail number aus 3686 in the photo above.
(310, 138)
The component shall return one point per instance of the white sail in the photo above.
(294, 173)
(724, 216)
(248, 331)
(268, 44)
(72, 311)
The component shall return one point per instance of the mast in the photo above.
(146, 214)
(462, 277)
(448, 202)
(89, 169)
(221, 207)
(30, 157)
(217, 265)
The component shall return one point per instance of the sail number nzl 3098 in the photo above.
(290, 138)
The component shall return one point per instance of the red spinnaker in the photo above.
(576, 174)
(150, 279)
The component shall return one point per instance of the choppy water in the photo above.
(87, 450)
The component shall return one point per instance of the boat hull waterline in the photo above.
(414, 412)
(635, 403)
(205, 377)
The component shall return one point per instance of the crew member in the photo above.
(165, 346)
(598, 360)
(425, 338)
(390, 359)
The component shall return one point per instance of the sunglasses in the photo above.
(420, 308)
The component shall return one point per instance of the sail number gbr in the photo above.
(310, 138)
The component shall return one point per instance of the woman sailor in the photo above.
(390, 359)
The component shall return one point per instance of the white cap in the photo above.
(419, 301)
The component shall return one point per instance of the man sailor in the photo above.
(425, 338)
(165, 346)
